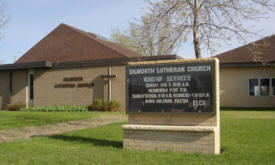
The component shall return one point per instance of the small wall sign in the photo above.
(73, 85)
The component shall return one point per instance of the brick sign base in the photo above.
(174, 138)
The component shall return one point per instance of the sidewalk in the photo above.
(52, 129)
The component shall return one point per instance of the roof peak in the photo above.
(90, 33)
(101, 39)
(66, 44)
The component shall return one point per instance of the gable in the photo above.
(68, 44)
(260, 51)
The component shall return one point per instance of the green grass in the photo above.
(245, 139)
(19, 119)
(248, 114)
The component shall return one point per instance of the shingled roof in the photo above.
(68, 44)
(245, 54)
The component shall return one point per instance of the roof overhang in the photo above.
(30, 65)
(91, 63)
(111, 62)
(247, 64)
(120, 61)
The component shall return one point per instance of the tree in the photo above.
(124, 39)
(154, 39)
(148, 39)
(209, 22)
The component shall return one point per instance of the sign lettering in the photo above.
(171, 87)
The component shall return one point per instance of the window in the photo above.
(262, 87)
(254, 87)
(265, 90)
(30, 86)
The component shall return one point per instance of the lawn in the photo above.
(247, 138)
(19, 119)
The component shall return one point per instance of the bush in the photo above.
(98, 105)
(112, 106)
(58, 108)
(15, 107)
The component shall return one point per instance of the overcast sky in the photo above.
(31, 20)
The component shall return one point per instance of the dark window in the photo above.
(273, 86)
(31, 86)
(254, 87)
(264, 87)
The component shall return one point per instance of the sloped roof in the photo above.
(259, 51)
(68, 44)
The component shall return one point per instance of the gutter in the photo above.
(90, 63)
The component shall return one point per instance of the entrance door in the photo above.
(30, 88)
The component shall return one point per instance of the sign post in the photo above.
(173, 105)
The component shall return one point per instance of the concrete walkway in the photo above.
(52, 129)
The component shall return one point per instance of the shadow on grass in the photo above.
(223, 149)
(97, 142)
(247, 108)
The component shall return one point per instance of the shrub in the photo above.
(98, 105)
(112, 106)
(15, 107)
(58, 108)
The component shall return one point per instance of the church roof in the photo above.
(259, 51)
(69, 44)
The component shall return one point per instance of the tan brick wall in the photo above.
(119, 85)
(19, 86)
(235, 83)
(46, 94)
(179, 141)
(173, 119)
(4, 89)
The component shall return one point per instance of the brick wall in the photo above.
(45, 92)
(180, 141)
(4, 89)
(235, 87)
(45, 80)
(187, 139)
(19, 86)
(173, 119)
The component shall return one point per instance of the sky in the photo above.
(32, 20)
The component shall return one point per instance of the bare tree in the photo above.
(124, 39)
(149, 39)
(209, 22)
(154, 39)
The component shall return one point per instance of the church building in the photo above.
(69, 67)
(73, 67)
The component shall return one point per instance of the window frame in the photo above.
(249, 87)
(259, 84)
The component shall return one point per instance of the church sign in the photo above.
(185, 87)
(173, 105)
